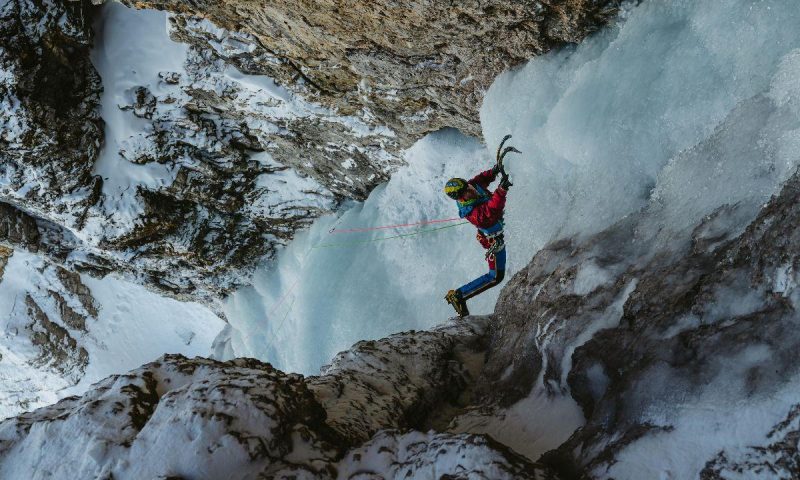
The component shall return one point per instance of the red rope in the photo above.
(351, 230)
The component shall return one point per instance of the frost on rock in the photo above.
(46, 315)
(775, 458)
(396, 381)
(242, 419)
(245, 417)
(689, 349)
(392, 454)
(49, 94)
(62, 331)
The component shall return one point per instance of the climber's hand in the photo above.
(505, 182)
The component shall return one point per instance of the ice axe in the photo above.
(502, 152)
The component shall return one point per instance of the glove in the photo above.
(505, 182)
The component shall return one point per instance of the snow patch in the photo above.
(132, 48)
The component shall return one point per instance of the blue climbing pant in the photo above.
(497, 270)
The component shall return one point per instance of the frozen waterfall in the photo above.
(678, 109)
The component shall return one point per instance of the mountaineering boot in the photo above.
(455, 299)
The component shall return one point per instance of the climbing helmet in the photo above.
(455, 187)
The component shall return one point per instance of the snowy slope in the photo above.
(61, 332)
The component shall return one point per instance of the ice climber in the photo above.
(484, 209)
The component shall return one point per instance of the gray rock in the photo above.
(198, 418)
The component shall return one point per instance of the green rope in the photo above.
(346, 244)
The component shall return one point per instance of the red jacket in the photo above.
(488, 213)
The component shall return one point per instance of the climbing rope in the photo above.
(285, 316)
(400, 225)
(403, 235)
(283, 297)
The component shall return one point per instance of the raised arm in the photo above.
(485, 178)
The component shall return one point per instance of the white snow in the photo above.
(132, 48)
(426, 456)
(723, 418)
(23, 385)
(134, 326)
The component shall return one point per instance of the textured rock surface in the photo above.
(238, 413)
(357, 84)
(396, 382)
(197, 418)
(49, 92)
(45, 329)
(659, 335)
(413, 66)
(776, 459)
(392, 454)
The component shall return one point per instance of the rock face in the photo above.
(246, 161)
(49, 94)
(45, 329)
(688, 351)
(252, 421)
(413, 66)
(644, 338)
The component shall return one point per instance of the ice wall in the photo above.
(680, 108)
(327, 290)
(683, 107)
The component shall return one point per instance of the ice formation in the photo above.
(328, 290)
(664, 112)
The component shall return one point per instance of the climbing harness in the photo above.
(496, 243)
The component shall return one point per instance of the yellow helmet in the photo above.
(455, 187)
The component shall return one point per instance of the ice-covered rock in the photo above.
(218, 149)
(398, 381)
(177, 418)
(197, 418)
(688, 351)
